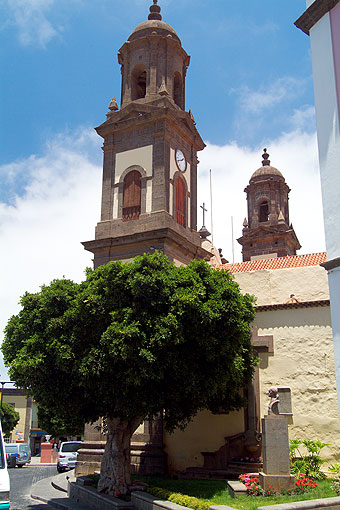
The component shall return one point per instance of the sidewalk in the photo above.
(53, 490)
(35, 461)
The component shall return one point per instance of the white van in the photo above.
(4, 478)
(21, 451)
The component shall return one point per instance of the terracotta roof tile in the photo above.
(310, 259)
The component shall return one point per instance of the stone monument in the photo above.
(275, 447)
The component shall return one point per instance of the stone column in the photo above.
(252, 437)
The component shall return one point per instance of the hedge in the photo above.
(180, 499)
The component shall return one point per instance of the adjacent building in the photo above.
(321, 21)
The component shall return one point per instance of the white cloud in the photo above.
(282, 89)
(304, 118)
(30, 18)
(41, 230)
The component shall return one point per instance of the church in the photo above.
(149, 202)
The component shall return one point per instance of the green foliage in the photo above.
(9, 418)
(50, 421)
(180, 499)
(131, 340)
(335, 468)
(310, 463)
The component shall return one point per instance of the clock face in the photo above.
(180, 160)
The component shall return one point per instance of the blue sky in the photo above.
(61, 68)
(249, 86)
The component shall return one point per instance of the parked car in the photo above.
(21, 452)
(67, 455)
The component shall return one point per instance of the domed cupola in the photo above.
(267, 232)
(153, 63)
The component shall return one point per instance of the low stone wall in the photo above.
(320, 504)
(88, 496)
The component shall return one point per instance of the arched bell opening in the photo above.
(138, 83)
(264, 211)
(178, 90)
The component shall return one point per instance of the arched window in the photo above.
(132, 196)
(264, 211)
(180, 201)
(178, 90)
(138, 83)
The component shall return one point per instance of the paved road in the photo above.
(21, 481)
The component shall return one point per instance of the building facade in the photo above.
(321, 21)
(149, 201)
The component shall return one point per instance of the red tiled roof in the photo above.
(311, 259)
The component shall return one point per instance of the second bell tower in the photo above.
(268, 232)
(149, 192)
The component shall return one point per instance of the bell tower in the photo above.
(267, 233)
(149, 190)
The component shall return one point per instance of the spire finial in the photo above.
(266, 160)
(155, 11)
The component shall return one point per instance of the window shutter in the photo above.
(132, 196)
(180, 201)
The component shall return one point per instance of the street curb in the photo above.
(40, 490)
(60, 482)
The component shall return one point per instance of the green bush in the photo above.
(309, 464)
(180, 499)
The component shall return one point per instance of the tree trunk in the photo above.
(115, 471)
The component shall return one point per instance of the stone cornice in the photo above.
(314, 13)
(331, 264)
(288, 306)
(14, 391)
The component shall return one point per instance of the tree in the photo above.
(131, 341)
(9, 418)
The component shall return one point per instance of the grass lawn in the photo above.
(216, 492)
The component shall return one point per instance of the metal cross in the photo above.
(155, 1)
(204, 211)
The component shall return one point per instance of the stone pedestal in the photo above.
(89, 458)
(278, 482)
(275, 452)
(46, 453)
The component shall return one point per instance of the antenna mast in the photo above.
(232, 238)
(211, 210)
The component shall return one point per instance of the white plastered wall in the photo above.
(303, 356)
(325, 40)
(276, 286)
(141, 157)
(303, 360)
(328, 130)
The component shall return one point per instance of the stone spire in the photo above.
(155, 11)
